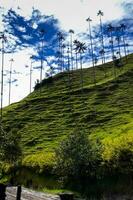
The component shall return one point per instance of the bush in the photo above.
(77, 157)
(10, 150)
(41, 162)
(46, 81)
(117, 154)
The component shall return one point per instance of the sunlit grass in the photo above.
(104, 110)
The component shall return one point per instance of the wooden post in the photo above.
(2, 191)
(19, 189)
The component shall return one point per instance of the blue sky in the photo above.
(70, 14)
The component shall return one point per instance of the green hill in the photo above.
(47, 115)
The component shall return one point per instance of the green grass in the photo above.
(45, 117)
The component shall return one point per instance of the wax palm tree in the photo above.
(63, 56)
(100, 14)
(122, 28)
(10, 79)
(127, 45)
(42, 33)
(75, 42)
(96, 60)
(118, 39)
(102, 52)
(3, 38)
(68, 69)
(60, 46)
(59, 49)
(110, 29)
(80, 48)
(51, 71)
(31, 70)
(71, 32)
(91, 45)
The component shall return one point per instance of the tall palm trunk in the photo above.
(2, 70)
(125, 51)
(71, 53)
(42, 32)
(63, 59)
(59, 51)
(60, 46)
(92, 54)
(69, 78)
(71, 47)
(113, 55)
(102, 41)
(41, 63)
(81, 73)
(76, 57)
(119, 47)
(31, 76)
(10, 80)
(80, 48)
(68, 66)
(110, 29)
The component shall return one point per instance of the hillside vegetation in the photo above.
(59, 104)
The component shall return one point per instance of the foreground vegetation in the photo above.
(58, 107)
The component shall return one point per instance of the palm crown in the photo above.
(100, 13)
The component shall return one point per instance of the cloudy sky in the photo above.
(71, 14)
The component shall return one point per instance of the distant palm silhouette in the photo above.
(69, 75)
(122, 28)
(10, 79)
(110, 29)
(31, 70)
(80, 48)
(58, 55)
(60, 46)
(76, 53)
(100, 14)
(41, 32)
(3, 38)
(91, 45)
(118, 39)
(71, 46)
(127, 45)
(63, 56)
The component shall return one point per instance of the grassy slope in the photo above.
(104, 110)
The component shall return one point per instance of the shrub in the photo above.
(10, 150)
(46, 81)
(76, 157)
(41, 162)
(117, 153)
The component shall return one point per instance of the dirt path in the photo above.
(29, 195)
